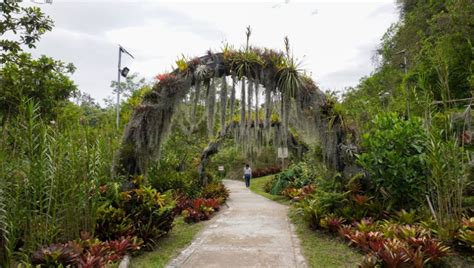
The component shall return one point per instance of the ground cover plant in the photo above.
(203, 207)
(141, 212)
(265, 171)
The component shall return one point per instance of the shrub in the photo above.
(55, 255)
(268, 185)
(215, 191)
(141, 212)
(395, 159)
(200, 209)
(182, 202)
(112, 222)
(314, 207)
(152, 212)
(297, 176)
(299, 194)
(396, 245)
(332, 223)
(466, 234)
(163, 176)
(86, 253)
(265, 171)
(406, 217)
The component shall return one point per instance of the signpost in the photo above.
(221, 170)
(283, 153)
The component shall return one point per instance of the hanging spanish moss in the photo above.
(301, 103)
(268, 113)
(211, 103)
(149, 124)
(197, 94)
(223, 100)
(249, 101)
(256, 102)
(242, 112)
(232, 101)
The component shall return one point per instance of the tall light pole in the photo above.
(121, 72)
(404, 66)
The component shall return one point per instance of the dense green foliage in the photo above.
(44, 81)
(437, 37)
(27, 24)
(141, 212)
(49, 176)
(296, 176)
(395, 159)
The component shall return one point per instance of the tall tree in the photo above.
(44, 80)
(20, 26)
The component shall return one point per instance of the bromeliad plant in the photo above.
(299, 194)
(200, 209)
(332, 223)
(465, 235)
(215, 191)
(86, 253)
(55, 255)
(141, 212)
(396, 245)
(265, 171)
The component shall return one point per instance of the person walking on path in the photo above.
(247, 175)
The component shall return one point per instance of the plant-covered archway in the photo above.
(287, 92)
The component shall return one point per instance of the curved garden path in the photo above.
(252, 232)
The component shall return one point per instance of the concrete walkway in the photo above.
(252, 232)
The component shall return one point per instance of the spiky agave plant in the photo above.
(245, 63)
(288, 83)
(288, 77)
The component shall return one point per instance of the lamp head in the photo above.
(125, 72)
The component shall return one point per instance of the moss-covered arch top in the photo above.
(274, 72)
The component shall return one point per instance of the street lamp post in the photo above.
(404, 66)
(121, 72)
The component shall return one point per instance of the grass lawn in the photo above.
(319, 249)
(170, 246)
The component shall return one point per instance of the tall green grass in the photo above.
(49, 178)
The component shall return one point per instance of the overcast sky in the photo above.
(335, 40)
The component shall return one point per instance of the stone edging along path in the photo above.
(252, 232)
